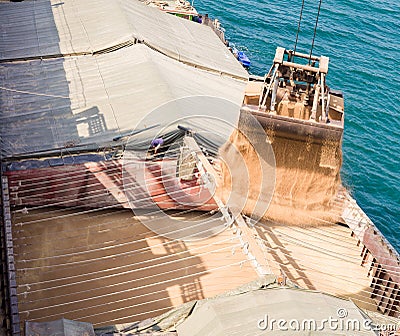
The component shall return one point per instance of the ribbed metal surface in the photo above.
(10, 284)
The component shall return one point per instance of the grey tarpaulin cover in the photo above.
(169, 320)
(241, 314)
(61, 327)
(66, 94)
(51, 27)
(238, 311)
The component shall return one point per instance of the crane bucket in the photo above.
(303, 122)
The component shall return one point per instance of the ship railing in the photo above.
(215, 25)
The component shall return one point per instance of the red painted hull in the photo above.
(143, 184)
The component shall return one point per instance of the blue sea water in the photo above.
(362, 39)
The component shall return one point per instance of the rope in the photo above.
(115, 284)
(294, 240)
(33, 93)
(116, 268)
(108, 256)
(188, 276)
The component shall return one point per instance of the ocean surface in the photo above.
(362, 39)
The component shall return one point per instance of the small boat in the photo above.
(240, 55)
(243, 59)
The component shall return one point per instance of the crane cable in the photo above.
(298, 27)
(315, 32)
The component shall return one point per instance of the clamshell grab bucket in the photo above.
(303, 121)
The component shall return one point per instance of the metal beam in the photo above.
(251, 246)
